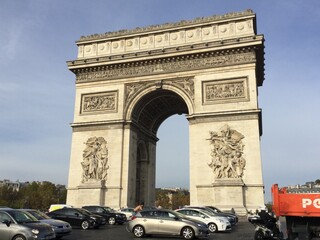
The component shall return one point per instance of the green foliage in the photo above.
(162, 199)
(36, 195)
(180, 199)
(172, 199)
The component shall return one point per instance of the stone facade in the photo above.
(128, 82)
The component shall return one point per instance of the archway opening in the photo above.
(172, 169)
(149, 113)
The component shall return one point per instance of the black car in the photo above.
(111, 216)
(77, 217)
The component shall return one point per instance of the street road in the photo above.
(242, 231)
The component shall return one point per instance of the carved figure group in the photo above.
(96, 103)
(226, 155)
(95, 159)
(228, 90)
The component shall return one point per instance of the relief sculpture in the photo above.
(225, 91)
(95, 159)
(99, 102)
(227, 159)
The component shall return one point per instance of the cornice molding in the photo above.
(158, 27)
(166, 65)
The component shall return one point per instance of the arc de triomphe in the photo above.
(130, 81)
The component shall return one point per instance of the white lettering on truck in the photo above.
(307, 202)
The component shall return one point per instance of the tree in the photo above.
(35, 195)
(179, 199)
(162, 199)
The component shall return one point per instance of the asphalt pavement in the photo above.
(242, 231)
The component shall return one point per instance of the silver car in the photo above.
(61, 228)
(166, 222)
(19, 225)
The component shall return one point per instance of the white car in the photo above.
(215, 223)
(129, 212)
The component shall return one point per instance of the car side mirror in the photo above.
(203, 216)
(77, 214)
(176, 218)
(7, 222)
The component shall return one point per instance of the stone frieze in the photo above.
(225, 90)
(99, 102)
(165, 65)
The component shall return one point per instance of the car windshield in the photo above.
(108, 209)
(210, 213)
(84, 211)
(177, 214)
(216, 209)
(22, 216)
(39, 215)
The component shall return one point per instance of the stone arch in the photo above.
(128, 82)
(157, 87)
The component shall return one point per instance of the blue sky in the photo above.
(37, 90)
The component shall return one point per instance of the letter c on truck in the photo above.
(316, 203)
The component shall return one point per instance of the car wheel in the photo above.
(138, 231)
(85, 225)
(258, 235)
(212, 227)
(19, 237)
(112, 221)
(187, 233)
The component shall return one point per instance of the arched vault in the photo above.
(153, 108)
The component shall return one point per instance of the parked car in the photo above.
(76, 217)
(166, 222)
(58, 206)
(215, 223)
(129, 212)
(232, 219)
(99, 219)
(110, 215)
(20, 225)
(61, 228)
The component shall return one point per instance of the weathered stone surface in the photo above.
(128, 82)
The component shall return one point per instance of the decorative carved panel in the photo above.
(225, 90)
(227, 159)
(165, 65)
(186, 84)
(99, 102)
(95, 160)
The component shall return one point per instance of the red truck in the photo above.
(301, 208)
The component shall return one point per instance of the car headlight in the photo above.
(201, 225)
(35, 231)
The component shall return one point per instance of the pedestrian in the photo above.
(139, 207)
